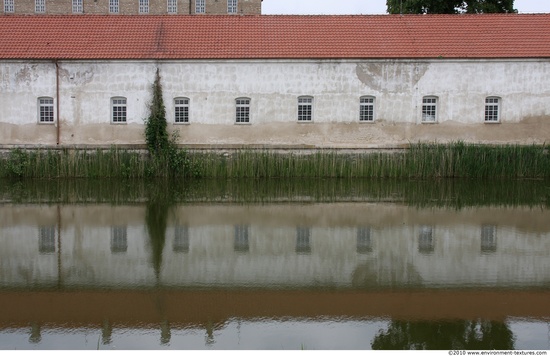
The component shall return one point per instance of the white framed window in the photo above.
(305, 108)
(200, 6)
(39, 6)
(113, 6)
(172, 6)
(143, 6)
(242, 110)
(429, 109)
(45, 110)
(366, 109)
(118, 110)
(231, 6)
(492, 109)
(181, 110)
(9, 6)
(77, 7)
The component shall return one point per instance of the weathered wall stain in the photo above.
(83, 76)
(390, 76)
(26, 74)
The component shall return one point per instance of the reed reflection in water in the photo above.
(350, 272)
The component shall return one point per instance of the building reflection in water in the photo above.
(231, 250)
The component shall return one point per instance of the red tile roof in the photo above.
(277, 37)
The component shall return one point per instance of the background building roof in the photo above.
(274, 37)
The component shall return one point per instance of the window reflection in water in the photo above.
(181, 239)
(488, 238)
(241, 238)
(364, 243)
(426, 239)
(46, 239)
(303, 239)
(119, 239)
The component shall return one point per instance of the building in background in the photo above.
(131, 7)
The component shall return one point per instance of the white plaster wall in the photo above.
(273, 86)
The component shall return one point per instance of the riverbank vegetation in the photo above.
(456, 160)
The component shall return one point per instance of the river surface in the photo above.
(275, 265)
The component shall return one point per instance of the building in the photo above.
(132, 7)
(276, 81)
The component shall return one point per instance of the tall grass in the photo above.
(457, 160)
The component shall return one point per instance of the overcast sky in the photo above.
(336, 7)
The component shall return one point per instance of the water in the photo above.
(275, 265)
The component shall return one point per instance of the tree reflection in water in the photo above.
(158, 206)
(445, 335)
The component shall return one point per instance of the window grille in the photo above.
(366, 108)
(243, 110)
(231, 6)
(118, 110)
(492, 109)
(429, 109)
(305, 108)
(113, 6)
(9, 6)
(40, 6)
(77, 7)
(143, 6)
(200, 6)
(45, 110)
(181, 110)
(172, 6)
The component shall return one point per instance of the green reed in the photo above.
(456, 160)
(419, 161)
